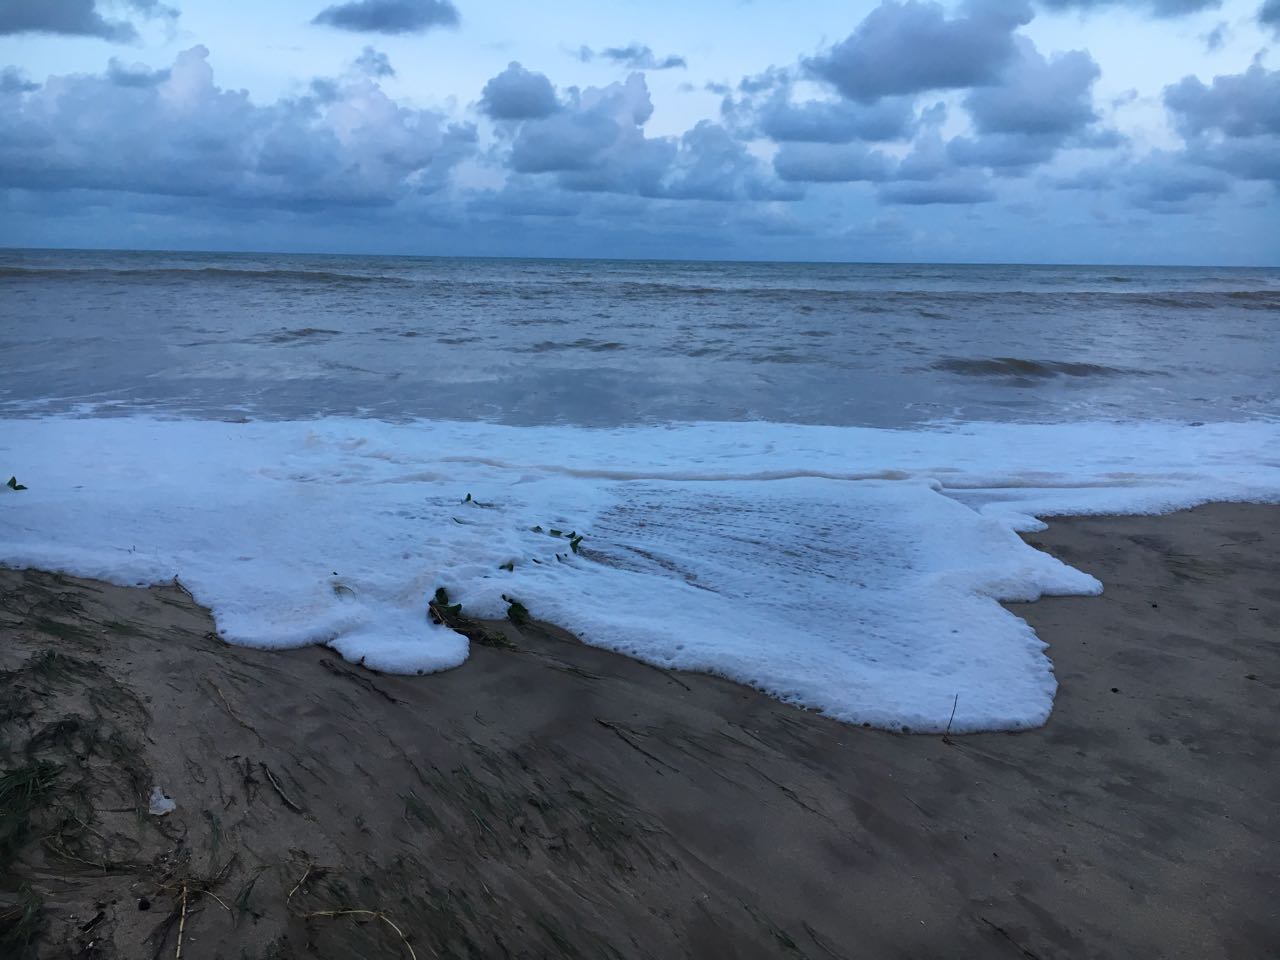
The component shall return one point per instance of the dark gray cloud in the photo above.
(134, 75)
(778, 117)
(1024, 113)
(518, 94)
(712, 164)
(1010, 153)
(13, 80)
(1040, 106)
(594, 141)
(374, 63)
(1158, 8)
(1269, 15)
(831, 163)
(1235, 105)
(181, 135)
(928, 174)
(1217, 37)
(1232, 125)
(635, 56)
(75, 18)
(1166, 183)
(1037, 95)
(389, 16)
(911, 47)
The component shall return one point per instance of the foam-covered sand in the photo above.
(550, 799)
(856, 571)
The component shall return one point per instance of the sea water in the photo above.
(805, 477)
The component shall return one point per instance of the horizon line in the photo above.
(625, 259)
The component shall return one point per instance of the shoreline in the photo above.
(557, 799)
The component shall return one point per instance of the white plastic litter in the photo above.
(160, 804)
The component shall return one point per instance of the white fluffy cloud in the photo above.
(175, 132)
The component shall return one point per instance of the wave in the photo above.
(1037, 369)
(301, 333)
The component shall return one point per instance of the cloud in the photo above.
(711, 164)
(374, 63)
(1158, 8)
(75, 18)
(1216, 38)
(634, 56)
(596, 141)
(1040, 105)
(1232, 125)
(1269, 15)
(13, 80)
(593, 141)
(1236, 105)
(831, 163)
(1026, 112)
(1164, 182)
(912, 47)
(961, 189)
(768, 110)
(1037, 95)
(179, 134)
(136, 75)
(518, 94)
(389, 16)
(927, 174)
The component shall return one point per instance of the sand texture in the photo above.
(554, 800)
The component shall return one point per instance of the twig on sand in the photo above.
(632, 744)
(946, 734)
(351, 675)
(182, 925)
(271, 778)
(305, 874)
(376, 914)
(1027, 954)
(183, 587)
(234, 716)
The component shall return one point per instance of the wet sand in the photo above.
(554, 800)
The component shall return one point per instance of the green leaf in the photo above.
(442, 596)
(509, 566)
(555, 533)
(574, 542)
(535, 529)
(14, 484)
(517, 612)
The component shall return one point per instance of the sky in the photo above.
(1056, 131)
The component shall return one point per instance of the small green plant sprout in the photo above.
(575, 540)
(442, 611)
(509, 566)
(13, 483)
(517, 612)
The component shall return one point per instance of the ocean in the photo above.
(805, 477)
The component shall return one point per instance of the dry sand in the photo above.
(555, 800)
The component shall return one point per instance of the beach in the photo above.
(548, 798)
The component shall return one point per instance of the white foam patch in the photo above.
(856, 571)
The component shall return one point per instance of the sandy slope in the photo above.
(555, 800)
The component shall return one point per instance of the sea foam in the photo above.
(856, 571)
